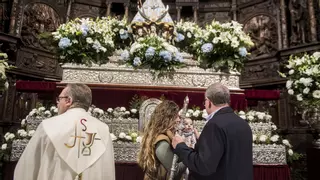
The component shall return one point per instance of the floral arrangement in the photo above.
(187, 34)
(123, 37)
(196, 114)
(123, 137)
(263, 130)
(87, 41)
(3, 67)
(222, 46)
(304, 79)
(153, 53)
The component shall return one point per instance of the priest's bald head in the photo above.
(74, 96)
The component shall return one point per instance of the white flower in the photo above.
(190, 111)
(254, 137)
(23, 122)
(113, 137)
(290, 91)
(31, 133)
(52, 108)
(243, 116)
(188, 115)
(56, 110)
(242, 113)
(41, 109)
(134, 135)
(129, 138)
(47, 113)
(274, 127)
(290, 152)
(291, 71)
(263, 138)
(260, 116)
(122, 135)
(299, 97)
(286, 143)
(127, 112)
(122, 109)
(204, 115)
(22, 133)
(274, 138)
(316, 94)
(195, 114)
(268, 117)
(306, 90)
(133, 111)
(11, 136)
(4, 146)
(289, 84)
(110, 110)
(139, 139)
(316, 55)
(250, 118)
(89, 40)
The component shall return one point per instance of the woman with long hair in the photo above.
(156, 153)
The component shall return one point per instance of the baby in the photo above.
(190, 133)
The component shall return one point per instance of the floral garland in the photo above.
(222, 46)
(153, 53)
(3, 67)
(87, 41)
(304, 79)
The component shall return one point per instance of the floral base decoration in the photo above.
(153, 53)
(268, 146)
(303, 74)
(87, 41)
(222, 46)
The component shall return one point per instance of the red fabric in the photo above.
(257, 94)
(131, 171)
(271, 172)
(35, 86)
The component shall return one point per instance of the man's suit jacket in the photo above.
(223, 150)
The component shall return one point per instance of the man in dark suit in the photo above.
(224, 148)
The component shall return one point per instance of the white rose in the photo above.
(299, 97)
(113, 137)
(243, 116)
(274, 138)
(286, 143)
(41, 109)
(195, 114)
(31, 133)
(122, 135)
(316, 55)
(23, 122)
(274, 127)
(47, 113)
(4, 146)
(254, 137)
(263, 138)
(52, 108)
(306, 90)
(139, 139)
(268, 117)
(290, 91)
(250, 118)
(128, 138)
(190, 111)
(316, 94)
(110, 110)
(133, 111)
(242, 113)
(127, 112)
(290, 152)
(123, 109)
(260, 116)
(291, 71)
(289, 84)
(188, 115)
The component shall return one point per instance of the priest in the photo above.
(71, 146)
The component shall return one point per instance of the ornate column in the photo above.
(283, 20)
(313, 23)
(109, 4)
(195, 13)
(234, 10)
(126, 10)
(13, 17)
(178, 12)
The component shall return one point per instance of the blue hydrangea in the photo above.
(243, 51)
(124, 35)
(166, 55)
(64, 43)
(180, 37)
(125, 55)
(150, 52)
(136, 61)
(207, 47)
(84, 29)
(178, 57)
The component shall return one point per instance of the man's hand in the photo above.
(176, 140)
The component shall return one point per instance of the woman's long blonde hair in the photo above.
(162, 120)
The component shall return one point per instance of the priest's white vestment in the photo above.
(73, 145)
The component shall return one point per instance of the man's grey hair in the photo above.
(81, 95)
(218, 94)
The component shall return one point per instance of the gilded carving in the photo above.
(37, 19)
